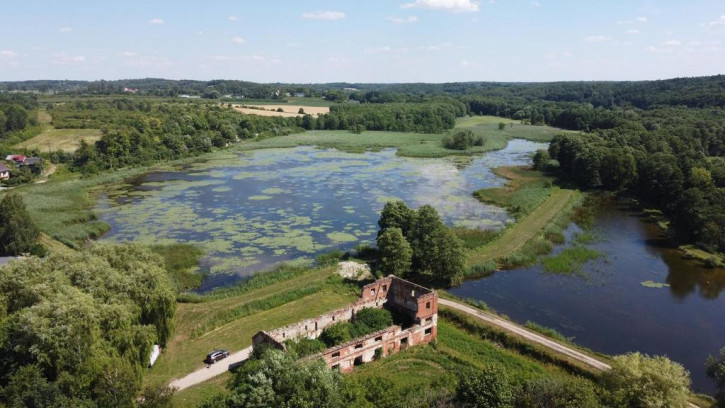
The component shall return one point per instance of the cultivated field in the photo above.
(60, 139)
(288, 110)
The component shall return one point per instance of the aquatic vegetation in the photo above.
(252, 210)
(570, 260)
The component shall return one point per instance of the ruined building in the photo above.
(401, 297)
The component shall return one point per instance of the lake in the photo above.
(677, 312)
(252, 210)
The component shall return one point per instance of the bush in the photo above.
(336, 334)
(370, 320)
(559, 393)
(463, 140)
(487, 388)
(304, 347)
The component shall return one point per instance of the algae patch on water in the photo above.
(654, 285)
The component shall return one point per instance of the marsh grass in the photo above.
(525, 190)
(474, 238)
(570, 260)
(182, 264)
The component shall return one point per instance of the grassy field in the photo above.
(414, 144)
(312, 102)
(60, 139)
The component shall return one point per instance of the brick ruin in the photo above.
(418, 303)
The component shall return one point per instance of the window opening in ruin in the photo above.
(379, 338)
(336, 367)
(428, 331)
(336, 354)
(412, 293)
(358, 361)
(404, 340)
(372, 291)
(333, 318)
(358, 346)
(385, 287)
(315, 325)
(428, 320)
(427, 305)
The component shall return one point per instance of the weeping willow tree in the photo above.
(79, 327)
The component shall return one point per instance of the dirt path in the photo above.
(527, 334)
(212, 370)
(532, 337)
(44, 177)
(524, 230)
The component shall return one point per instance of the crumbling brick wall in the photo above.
(420, 304)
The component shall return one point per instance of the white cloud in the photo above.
(255, 58)
(377, 50)
(65, 59)
(156, 21)
(466, 63)
(715, 23)
(597, 38)
(641, 19)
(399, 20)
(632, 31)
(129, 54)
(672, 43)
(324, 15)
(232, 18)
(455, 6)
(535, 4)
(8, 54)
(65, 29)
(567, 54)
(238, 40)
(636, 20)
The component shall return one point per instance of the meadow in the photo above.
(68, 140)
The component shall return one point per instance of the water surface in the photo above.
(607, 309)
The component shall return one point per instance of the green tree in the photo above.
(487, 388)
(395, 214)
(541, 159)
(371, 320)
(447, 262)
(395, 252)
(301, 111)
(501, 126)
(18, 233)
(716, 371)
(637, 380)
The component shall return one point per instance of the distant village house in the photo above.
(4, 172)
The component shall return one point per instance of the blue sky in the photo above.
(362, 41)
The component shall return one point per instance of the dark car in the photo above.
(215, 356)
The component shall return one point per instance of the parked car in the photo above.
(215, 356)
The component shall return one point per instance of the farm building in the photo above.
(417, 303)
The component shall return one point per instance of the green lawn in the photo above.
(414, 144)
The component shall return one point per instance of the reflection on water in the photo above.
(252, 210)
(609, 310)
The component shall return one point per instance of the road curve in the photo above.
(211, 371)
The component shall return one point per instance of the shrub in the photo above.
(487, 388)
(463, 140)
(304, 347)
